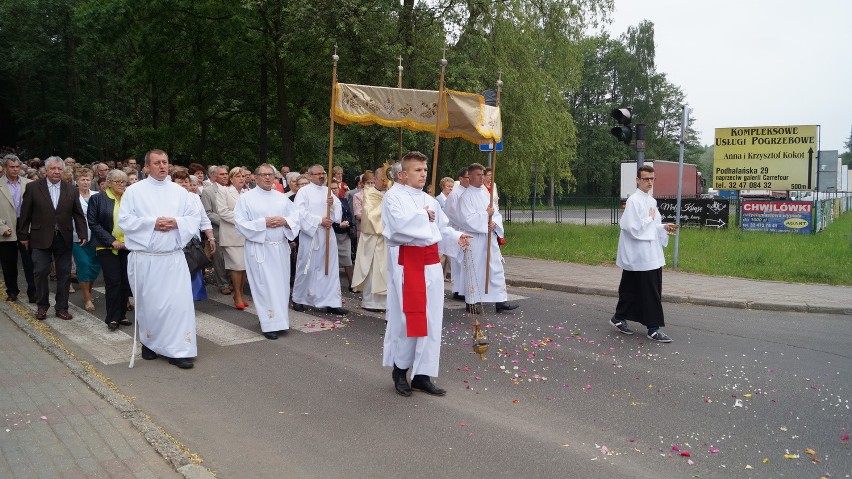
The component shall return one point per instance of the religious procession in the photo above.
(291, 240)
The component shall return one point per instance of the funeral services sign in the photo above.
(764, 157)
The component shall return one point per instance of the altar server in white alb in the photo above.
(472, 217)
(158, 218)
(459, 285)
(414, 226)
(313, 287)
(268, 221)
(640, 256)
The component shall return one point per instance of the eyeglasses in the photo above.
(647, 179)
(266, 174)
(118, 182)
(302, 183)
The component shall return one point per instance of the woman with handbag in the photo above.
(196, 268)
(108, 240)
(233, 242)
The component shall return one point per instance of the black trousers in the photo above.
(640, 297)
(9, 251)
(116, 284)
(61, 256)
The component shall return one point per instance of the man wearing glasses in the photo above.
(12, 187)
(313, 287)
(640, 256)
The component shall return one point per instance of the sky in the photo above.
(754, 62)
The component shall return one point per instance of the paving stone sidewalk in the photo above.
(59, 420)
(681, 287)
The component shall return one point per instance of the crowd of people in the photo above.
(275, 237)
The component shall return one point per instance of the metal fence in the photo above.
(578, 210)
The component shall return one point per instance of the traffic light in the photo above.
(623, 132)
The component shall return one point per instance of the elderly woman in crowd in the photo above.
(292, 183)
(132, 175)
(108, 240)
(233, 242)
(190, 183)
(88, 266)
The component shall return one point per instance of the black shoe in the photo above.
(147, 354)
(338, 311)
(660, 337)
(422, 383)
(298, 307)
(271, 335)
(458, 297)
(620, 325)
(400, 383)
(505, 306)
(113, 325)
(474, 308)
(183, 363)
(12, 298)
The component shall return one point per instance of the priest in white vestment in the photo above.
(640, 256)
(313, 287)
(158, 219)
(472, 217)
(269, 221)
(370, 275)
(416, 229)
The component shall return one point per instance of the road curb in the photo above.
(156, 436)
(677, 298)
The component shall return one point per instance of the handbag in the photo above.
(196, 258)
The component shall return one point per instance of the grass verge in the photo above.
(825, 257)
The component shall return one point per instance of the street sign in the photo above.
(487, 146)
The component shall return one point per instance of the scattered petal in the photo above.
(515, 401)
(810, 452)
(685, 453)
(675, 448)
(44, 418)
(690, 462)
(748, 467)
(765, 460)
(844, 437)
(587, 387)
(791, 456)
(713, 450)
(463, 424)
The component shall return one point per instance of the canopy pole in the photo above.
(491, 192)
(438, 119)
(399, 130)
(334, 59)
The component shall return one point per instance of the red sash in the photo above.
(414, 260)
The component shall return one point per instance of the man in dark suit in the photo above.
(50, 210)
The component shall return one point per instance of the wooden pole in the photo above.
(491, 193)
(399, 130)
(438, 119)
(334, 59)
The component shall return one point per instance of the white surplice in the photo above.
(157, 269)
(472, 218)
(642, 238)
(406, 222)
(312, 286)
(267, 253)
(457, 277)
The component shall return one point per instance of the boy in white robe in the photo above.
(473, 218)
(268, 221)
(158, 218)
(414, 225)
(313, 287)
(640, 256)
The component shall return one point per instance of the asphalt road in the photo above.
(561, 394)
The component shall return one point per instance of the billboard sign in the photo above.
(764, 157)
(777, 216)
(695, 212)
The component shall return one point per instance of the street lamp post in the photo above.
(535, 188)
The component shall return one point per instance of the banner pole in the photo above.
(334, 59)
(438, 119)
(491, 192)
